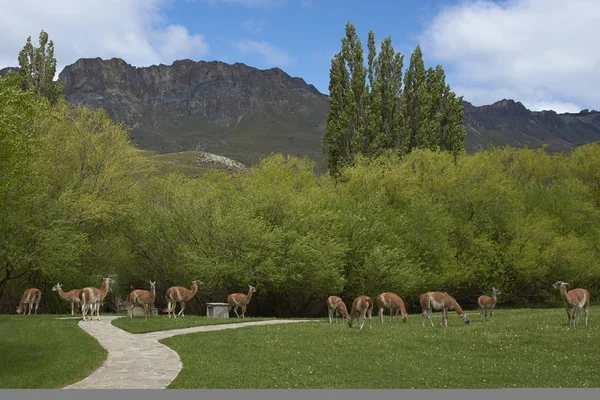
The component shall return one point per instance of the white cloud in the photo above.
(272, 55)
(134, 30)
(253, 26)
(540, 52)
(558, 106)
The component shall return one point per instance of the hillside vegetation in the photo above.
(80, 202)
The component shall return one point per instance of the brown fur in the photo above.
(440, 301)
(142, 298)
(240, 300)
(574, 300)
(362, 307)
(179, 294)
(394, 303)
(31, 297)
(487, 302)
(72, 296)
(335, 305)
(91, 297)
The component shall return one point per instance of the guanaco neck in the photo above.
(457, 307)
(563, 293)
(494, 298)
(194, 290)
(153, 293)
(249, 296)
(344, 310)
(104, 289)
(21, 302)
(61, 293)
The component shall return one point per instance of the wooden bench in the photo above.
(217, 310)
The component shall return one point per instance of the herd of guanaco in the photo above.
(89, 299)
(362, 307)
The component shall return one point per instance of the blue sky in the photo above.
(304, 34)
(540, 52)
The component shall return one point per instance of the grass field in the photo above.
(520, 348)
(44, 352)
(163, 323)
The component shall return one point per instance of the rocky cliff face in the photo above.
(245, 113)
(4, 71)
(509, 122)
(234, 110)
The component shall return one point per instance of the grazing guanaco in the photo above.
(336, 306)
(362, 307)
(31, 297)
(574, 300)
(440, 301)
(394, 303)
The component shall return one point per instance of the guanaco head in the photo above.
(19, 310)
(496, 291)
(466, 319)
(404, 318)
(349, 321)
(252, 288)
(196, 282)
(56, 287)
(108, 281)
(152, 284)
(559, 284)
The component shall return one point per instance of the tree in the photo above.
(386, 90)
(387, 113)
(414, 106)
(38, 67)
(345, 130)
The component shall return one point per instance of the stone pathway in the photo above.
(139, 361)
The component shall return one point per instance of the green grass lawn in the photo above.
(163, 323)
(519, 348)
(44, 352)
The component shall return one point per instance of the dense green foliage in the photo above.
(385, 113)
(517, 349)
(78, 204)
(37, 67)
(40, 352)
(65, 183)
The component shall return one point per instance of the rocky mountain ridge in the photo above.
(244, 113)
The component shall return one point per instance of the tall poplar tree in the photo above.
(347, 87)
(414, 102)
(391, 111)
(38, 67)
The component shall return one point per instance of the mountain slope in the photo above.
(509, 122)
(232, 110)
(245, 113)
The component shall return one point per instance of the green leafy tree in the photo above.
(346, 125)
(414, 103)
(38, 67)
(386, 90)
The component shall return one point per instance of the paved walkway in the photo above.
(139, 361)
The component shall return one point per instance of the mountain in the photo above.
(4, 71)
(509, 122)
(245, 113)
(232, 110)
